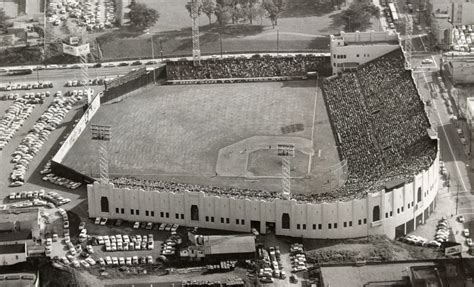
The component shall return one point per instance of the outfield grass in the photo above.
(178, 130)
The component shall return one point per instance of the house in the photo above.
(19, 225)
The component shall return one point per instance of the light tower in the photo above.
(77, 47)
(102, 134)
(286, 152)
(408, 40)
(195, 6)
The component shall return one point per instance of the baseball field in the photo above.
(226, 133)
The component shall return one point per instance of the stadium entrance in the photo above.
(269, 227)
(400, 230)
(255, 224)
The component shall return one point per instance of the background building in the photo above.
(14, 8)
(459, 67)
(12, 253)
(460, 12)
(20, 221)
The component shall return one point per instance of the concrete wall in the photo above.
(353, 218)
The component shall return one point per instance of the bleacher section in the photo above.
(254, 67)
(380, 122)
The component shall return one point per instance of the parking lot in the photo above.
(92, 14)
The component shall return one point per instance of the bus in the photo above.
(19, 71)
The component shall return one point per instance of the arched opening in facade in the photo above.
(376, 213)
(194, 212)
(104, 204)
(285, 221)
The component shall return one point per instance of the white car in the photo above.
(108, 260)
(465, 232)
(151, 245)
(90, 261)
(136, 225)
(103, 221)
(85, 263)
(427, 61)
(97, 221)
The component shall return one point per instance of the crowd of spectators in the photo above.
(378, 120)
(157, 185)
(254, 67)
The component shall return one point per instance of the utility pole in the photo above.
(278, 41)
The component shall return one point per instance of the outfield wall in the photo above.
(131, 82)
(393, 213)
(57, 167)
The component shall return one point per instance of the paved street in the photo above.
(457, 198)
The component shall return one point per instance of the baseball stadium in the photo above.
(202, 147)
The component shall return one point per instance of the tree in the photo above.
(189, 6)
(3, 20)
(141, 16)
(272, 11)
(208, 7)
(358, 15)
(222, 14)
(250, 10)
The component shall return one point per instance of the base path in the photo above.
(232, 160)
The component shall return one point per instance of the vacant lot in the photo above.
(178, 130)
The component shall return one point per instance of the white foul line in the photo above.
(447, 140)
(310, 161)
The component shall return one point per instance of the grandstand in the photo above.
(388, 161)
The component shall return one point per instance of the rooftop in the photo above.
(12, 248)
(223, 244)
(18, 280)
(25, 214)
(15, 236)
(362, 275)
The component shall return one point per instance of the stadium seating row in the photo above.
(254, 67)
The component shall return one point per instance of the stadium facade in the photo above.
(394, 212)
(396, 208)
